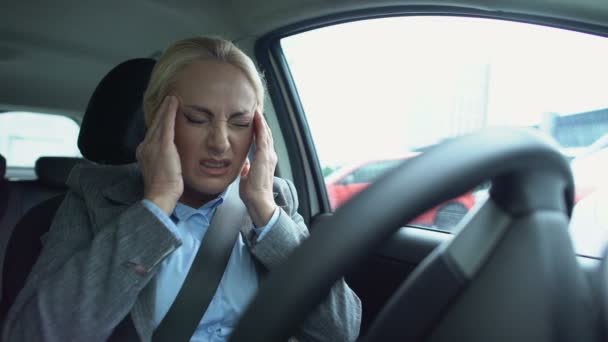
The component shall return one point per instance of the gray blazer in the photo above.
(104, 248)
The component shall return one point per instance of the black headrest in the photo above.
(54, 171)
(113, 124)
(2, 166)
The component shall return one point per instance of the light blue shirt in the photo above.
(239, 282)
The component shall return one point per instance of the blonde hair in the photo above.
(181, 54)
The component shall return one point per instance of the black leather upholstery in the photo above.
(113, 124)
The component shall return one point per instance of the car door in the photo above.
(401, 82)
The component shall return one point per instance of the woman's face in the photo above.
(213, 127)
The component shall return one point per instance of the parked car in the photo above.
(346, 181)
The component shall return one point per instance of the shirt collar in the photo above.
(183, 212)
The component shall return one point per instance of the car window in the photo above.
(26, 136)
(370, 172)
(399, 85)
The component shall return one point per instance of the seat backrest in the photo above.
(20, 196)
(53, 172)
(112, 127)
(32, 206)
(19, 260)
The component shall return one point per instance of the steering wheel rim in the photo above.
(294, 289)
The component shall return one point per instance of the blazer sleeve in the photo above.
(338, 318)
(86, 280)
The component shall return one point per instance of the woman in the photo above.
(123, 240)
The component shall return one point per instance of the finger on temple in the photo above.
(156, 123)
(170, 115)
(261, 133)
(267, 131)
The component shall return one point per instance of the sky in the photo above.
(385, 86)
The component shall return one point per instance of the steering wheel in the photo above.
(530, 202)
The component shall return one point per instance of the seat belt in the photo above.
(206, 272)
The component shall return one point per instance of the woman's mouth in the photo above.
(215, 167)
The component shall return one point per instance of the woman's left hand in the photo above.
(257, 176)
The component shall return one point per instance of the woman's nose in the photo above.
(218, 139)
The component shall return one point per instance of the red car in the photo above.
(345, 182)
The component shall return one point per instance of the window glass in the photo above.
(368, 173)
(375, 89)
(25, 136)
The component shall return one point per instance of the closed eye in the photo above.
(197, 120)
(243, 124)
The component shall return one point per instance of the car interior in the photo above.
(509, 270)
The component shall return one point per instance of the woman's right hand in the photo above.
(159, 160)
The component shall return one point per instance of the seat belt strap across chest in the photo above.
(206, 272)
